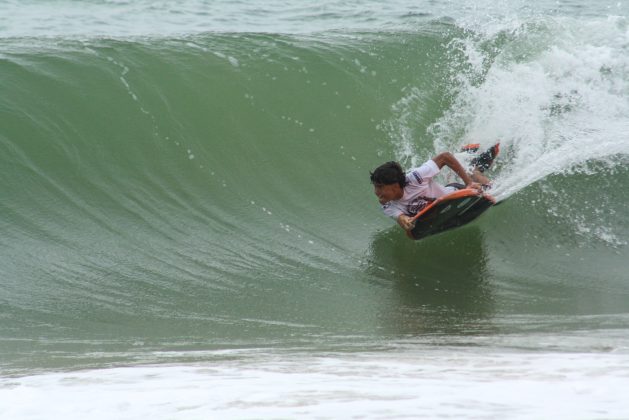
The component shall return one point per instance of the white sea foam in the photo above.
(444, 383)
(555, 97)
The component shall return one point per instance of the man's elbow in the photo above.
(443, 159)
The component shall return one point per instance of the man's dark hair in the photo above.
(389, 173)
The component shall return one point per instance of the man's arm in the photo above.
(448, 159)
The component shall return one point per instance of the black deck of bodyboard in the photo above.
(450, 211)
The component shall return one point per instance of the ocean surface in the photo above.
(188, 230)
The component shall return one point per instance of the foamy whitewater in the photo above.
(418, 384)
(189, 231)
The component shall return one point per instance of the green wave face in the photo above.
(213, 189)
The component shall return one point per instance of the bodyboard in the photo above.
(450, 211)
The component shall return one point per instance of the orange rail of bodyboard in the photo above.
(466, 192)
(473, 146)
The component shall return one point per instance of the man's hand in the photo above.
(474, 186)
(407, 223)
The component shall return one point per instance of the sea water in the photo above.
(188, 228)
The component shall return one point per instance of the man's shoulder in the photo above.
(414, 176)
(418, 175)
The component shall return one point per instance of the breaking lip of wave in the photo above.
(553, 94)
(551, 90)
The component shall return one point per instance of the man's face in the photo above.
(388, 192)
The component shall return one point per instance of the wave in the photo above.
(216, 185)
